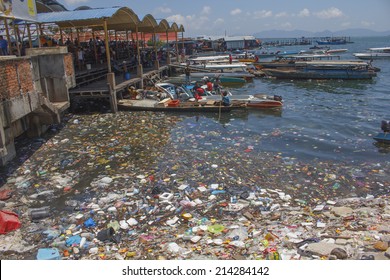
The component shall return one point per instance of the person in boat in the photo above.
(230, 59)
(225, 98)
(209, 85)
(217, 85)
(187, 72)
(198, 91)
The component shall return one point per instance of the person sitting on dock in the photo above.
(225, 98)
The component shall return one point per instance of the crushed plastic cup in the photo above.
(216, 228)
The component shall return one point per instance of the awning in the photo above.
(118, 19)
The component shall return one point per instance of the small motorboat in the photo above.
(384, 137)
(265, 101)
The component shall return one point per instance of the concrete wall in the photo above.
(31, 91)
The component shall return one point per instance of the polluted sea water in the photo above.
(158, 186)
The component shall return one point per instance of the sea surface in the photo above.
(330, 119)
(318, 146)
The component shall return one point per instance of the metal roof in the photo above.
(118, 18)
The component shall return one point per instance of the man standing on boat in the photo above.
(187, 71)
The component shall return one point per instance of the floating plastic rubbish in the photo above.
(216, 228)
(9, 221)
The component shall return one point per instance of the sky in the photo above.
(246, 17)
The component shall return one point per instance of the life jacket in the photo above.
(199, 91)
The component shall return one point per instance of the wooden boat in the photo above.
(256, 101)
(374, 53)
(224, 80)
(332, 41)
(384, 137)
(324, 70)
(212, 75)
(170, 105)
(265, 102)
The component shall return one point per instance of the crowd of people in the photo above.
(93, 51)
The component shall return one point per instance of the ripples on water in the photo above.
(325, 127)
(331, 119)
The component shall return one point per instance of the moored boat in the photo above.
(169, 105)
(374, 53)
(324, 70)
(257, 101)
(384, 137)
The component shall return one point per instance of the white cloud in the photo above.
(190, 22)
(219, 21)
(367, 23)
(164, 10)
(206, 10)
(304, 13)
(282, 14)
(235, 12)
(286, 25)
(330, 13)
(74, 2)
(262, 14)
(179, 19)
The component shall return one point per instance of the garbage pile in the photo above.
(122, 187)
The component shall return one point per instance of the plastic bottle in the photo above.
(39, 213)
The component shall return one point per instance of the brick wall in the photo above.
(69, 69)
(16, 78)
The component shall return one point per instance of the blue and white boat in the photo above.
(384, 137)
(324, 70)
(332, 41)
(374, 53)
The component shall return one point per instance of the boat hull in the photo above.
(134, 105)
(369, 56)
(344, 74)
(382, 138)
(264, 104)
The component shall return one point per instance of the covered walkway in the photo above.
(121, 21)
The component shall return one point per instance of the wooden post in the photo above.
(78, 36)
(94, 47)
(177, 48)
(8, 36)
(168, 50)
(107, 46)
(156, 62)
(111, 85)
(139, 66)
(16, 33)
(39, 31)
(61, 37)
(29, 36)
(116, 44)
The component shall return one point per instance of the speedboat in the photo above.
(384, 137)
(374, 53)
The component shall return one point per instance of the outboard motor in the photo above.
(385, 126)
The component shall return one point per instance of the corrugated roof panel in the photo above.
(77, 15)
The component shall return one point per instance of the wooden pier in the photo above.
(97, 83)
